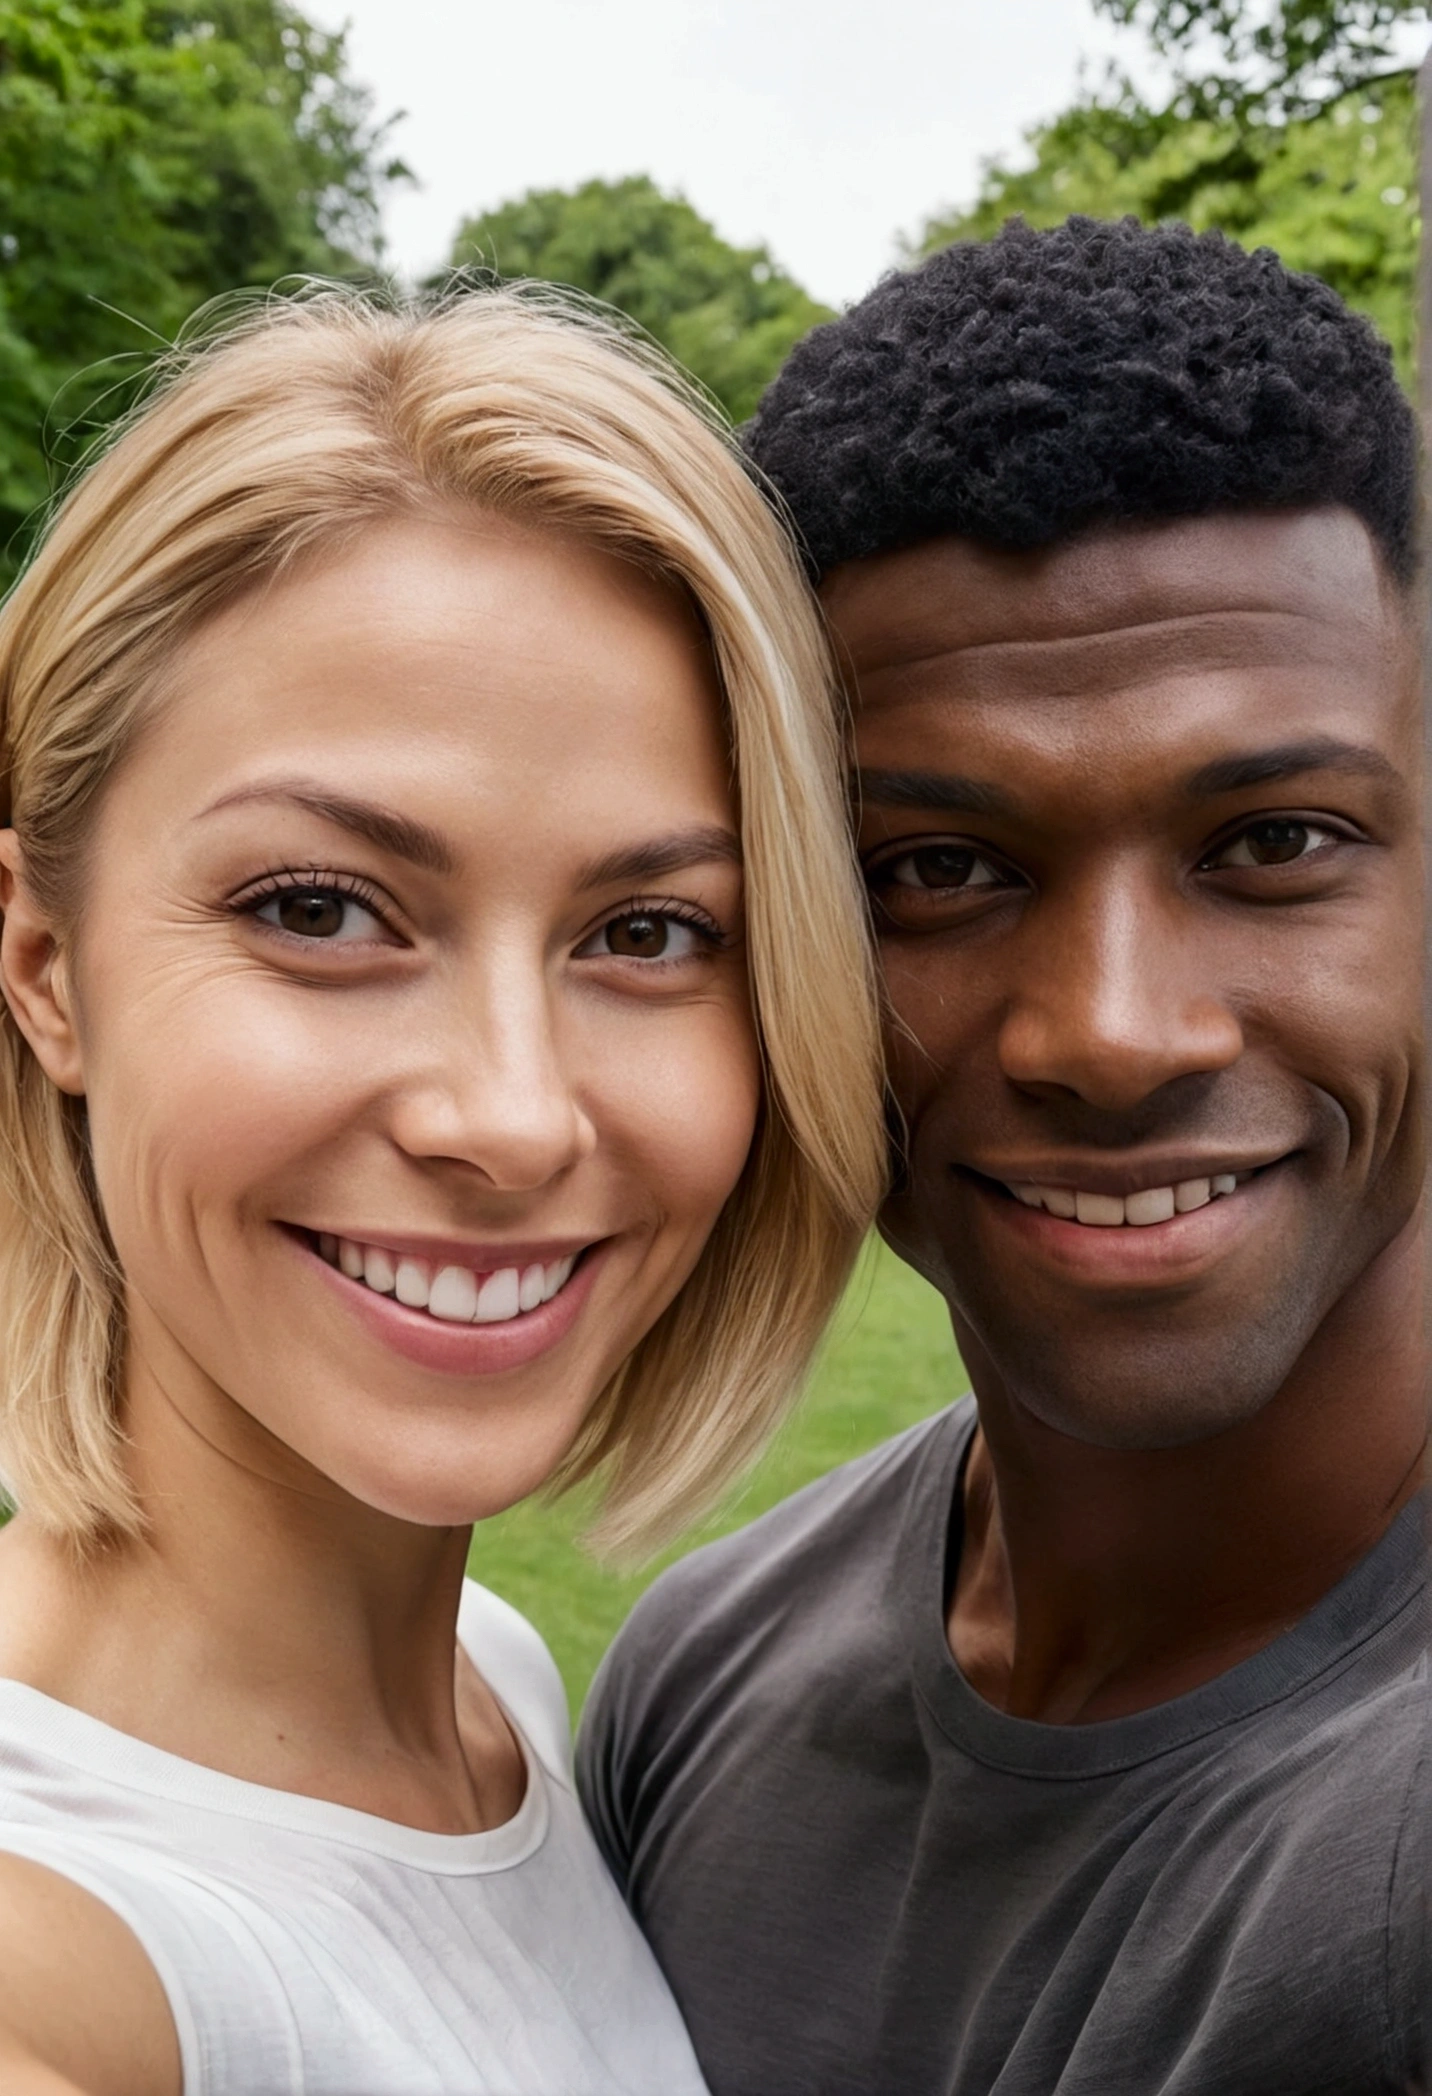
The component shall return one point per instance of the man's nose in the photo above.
(1112, 1002)
(494, 1086)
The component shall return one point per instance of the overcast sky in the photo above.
(823, 127)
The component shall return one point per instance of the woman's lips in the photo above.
(500, 1340)
(482, 1289)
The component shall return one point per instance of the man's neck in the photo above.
(1095, 1582)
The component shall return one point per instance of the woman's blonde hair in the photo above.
(289, 429)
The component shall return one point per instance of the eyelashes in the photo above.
(668, 909)
(322, 901)
(318, 880)
(317, 909)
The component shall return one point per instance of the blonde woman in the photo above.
(439, 1060)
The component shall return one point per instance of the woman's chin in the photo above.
(447, 1487)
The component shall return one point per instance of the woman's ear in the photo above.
(33, 974)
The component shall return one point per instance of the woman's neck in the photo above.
(267, 1625)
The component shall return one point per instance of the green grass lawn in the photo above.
(889, 1361)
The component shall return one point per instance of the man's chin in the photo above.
(1166, 1393)
(1135, 1424)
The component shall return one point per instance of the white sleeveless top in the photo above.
(311, 1950)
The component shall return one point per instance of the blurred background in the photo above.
(728, 172)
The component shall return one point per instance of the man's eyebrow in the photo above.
(383, 827)
(950, 792)
(1285, 761)
(659, 855)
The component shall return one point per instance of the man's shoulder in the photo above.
(802, 1590)
(858, 1513)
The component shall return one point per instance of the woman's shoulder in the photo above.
(79, 1995)
(513, 1659)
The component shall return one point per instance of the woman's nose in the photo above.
(1113, 1004)
(494, 1089)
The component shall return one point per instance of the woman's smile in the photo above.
(466, 943)
(474, 1287)
(475, 1317)
(408, 1106)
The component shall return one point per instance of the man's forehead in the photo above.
(1114, 605)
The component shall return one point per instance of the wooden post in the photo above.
(1423, 339)
(1424, 265)
(1424, 397)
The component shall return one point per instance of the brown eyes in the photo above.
(643, 937)
(320, 913)
(328, 915)
(1277, 841)
(939, 866)
(927, 886)
(947, 881)
(651, 935)
(312, 916)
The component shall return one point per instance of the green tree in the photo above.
(153, 154)
(1284, 59)
(728, 314)
(1300, 136)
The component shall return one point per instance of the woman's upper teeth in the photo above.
(458, 1295)
(1155, 1204)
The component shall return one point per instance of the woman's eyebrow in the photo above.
(383, 827)
(428, 848)
(659, 855)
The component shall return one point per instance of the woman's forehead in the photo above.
(474, 685)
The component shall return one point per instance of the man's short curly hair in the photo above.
(1020, 389)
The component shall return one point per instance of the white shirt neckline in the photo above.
(119, 1759)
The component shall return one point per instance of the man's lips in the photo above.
(1155, 1230)
(1126, 1174)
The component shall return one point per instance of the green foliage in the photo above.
(1286, 58)
(890, 1361)
(728, 314)
(153, 154)
(1333, 193)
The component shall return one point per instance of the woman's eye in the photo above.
(1278, 841)
(320, 913)
(940, 866)
(644, 935)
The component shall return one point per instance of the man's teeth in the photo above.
(1156, 1204)
(456, 1294)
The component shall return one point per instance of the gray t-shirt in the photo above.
(864, 1880)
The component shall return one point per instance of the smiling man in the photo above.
(1075, 1741)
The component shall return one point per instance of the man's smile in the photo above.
(1137, 1192)
(1165, 1235)
(1139, 1211)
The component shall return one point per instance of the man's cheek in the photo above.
(924, 1031)
(1370, 1066)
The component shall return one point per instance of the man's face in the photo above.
(1140, 818)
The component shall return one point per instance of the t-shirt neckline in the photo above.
(40, 1724)
(1365, 1603)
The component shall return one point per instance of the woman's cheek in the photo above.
(690, 1109)
(185, 1138)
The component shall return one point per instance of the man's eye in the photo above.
(1278, 841)
(320, 913)
(939, 866)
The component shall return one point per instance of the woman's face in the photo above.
(409, 1000)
